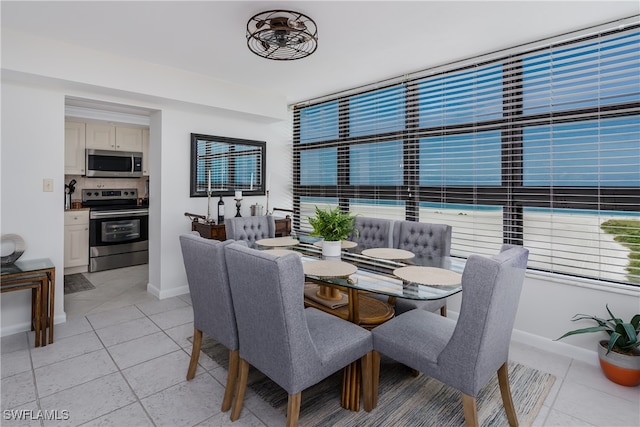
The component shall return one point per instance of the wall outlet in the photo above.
(47, 184)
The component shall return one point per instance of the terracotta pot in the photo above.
(623, 369)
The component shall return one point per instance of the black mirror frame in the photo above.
(259, 188)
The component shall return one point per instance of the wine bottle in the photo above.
(221, 210)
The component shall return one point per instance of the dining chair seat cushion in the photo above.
(408, 333)
(403, 305)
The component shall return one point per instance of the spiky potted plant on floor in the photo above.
(620, 354)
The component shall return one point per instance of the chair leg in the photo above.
(232, 376)
(443, 311)
(293, 409)
(242, 388)
(470, 410)
(195, 353)
(375, 377)
(505, 391)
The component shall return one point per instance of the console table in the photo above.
(218, 232)
(39, 275)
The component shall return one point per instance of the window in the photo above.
(540, 147)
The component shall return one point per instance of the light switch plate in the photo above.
(47, 184)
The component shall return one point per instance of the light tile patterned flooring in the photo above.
(121, 360)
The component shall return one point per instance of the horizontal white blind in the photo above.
(539, 148)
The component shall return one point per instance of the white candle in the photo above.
(238, 195)
(209, 183)
(251, 187)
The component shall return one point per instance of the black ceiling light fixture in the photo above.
(282, 35)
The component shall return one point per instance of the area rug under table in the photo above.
(76, 283)
(404, 400)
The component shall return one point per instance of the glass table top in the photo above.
(27, 266)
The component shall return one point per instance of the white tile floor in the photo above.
(121, 359)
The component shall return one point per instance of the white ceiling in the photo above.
(359, 41)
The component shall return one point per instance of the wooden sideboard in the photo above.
(218, 232)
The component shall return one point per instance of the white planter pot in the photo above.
(331, 249)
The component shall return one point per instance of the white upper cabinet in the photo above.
(107, 137)
(74, 145)
(101, 137)
(128, 139)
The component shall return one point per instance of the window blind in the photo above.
(539, 147)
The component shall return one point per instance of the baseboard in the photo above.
(173, 292)
(26, 326)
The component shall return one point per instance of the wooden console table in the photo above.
(218, 232)
(39, 275)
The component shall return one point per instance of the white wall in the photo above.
(32, 149)
(34, 87)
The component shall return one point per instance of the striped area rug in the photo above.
(404, 400)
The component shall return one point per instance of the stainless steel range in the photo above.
(118, 228)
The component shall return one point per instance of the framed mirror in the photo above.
(224, 165)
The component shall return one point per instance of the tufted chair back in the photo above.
(250, 228)
(372, 232)
(423, 239)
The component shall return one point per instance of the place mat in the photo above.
(428, 275)
(388, 253)
(345, 244)
(277, 242)
(311, 292)
(327, 268)
(280, 252)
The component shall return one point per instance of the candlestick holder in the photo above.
(209, 218)
(238, 203)
(268, 213)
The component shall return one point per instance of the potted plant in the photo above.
(619, 355)
(334, 226)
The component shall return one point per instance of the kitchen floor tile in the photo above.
(89, 400)
(187, 403)
(65, 348)
(15, 362)
(74, 371)
(114, 317)
(72, 327)
(160, 306)
(592, 376)
(175, 317)
(17, 390)
(142, 349)
(560, 419)
(158, 374)
(130, 415)
(127, 331)
(181, 334)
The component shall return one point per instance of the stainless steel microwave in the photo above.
(113, 164)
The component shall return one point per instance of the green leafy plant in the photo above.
(623, 337)
(332, 224)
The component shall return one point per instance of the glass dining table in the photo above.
(343, 286)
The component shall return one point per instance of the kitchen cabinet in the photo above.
(145, 152)
(107, 137)
(76, 240)
(74, 145)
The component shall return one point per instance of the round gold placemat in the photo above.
(277, 242)
(428, 275)
(280, 252)
(388, 253)
(345, 244)
(326, 268)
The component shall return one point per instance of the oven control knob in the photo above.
(126, 193)
(96, 194)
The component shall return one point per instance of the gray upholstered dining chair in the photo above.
(464, 354)
(372, 232)
(206, 268)
(250, 228)
(427, 241)
(296, 347)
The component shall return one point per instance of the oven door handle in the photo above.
(118, 214)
